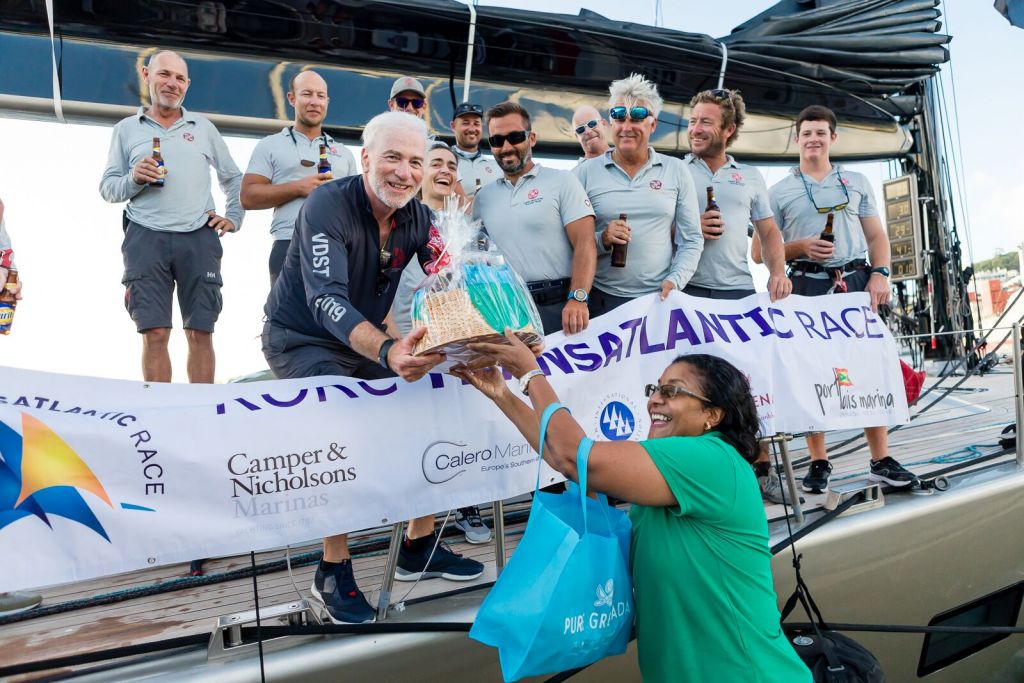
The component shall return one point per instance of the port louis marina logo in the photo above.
(841, 396)
(42, 476)
(617, 418)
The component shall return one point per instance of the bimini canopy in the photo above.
(863, 58)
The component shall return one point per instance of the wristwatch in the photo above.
(382, 353)
(578, 295)
(881, 270)
(524, 381)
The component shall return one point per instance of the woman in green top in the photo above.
(705, 606)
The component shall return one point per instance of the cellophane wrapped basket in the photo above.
(471, 296)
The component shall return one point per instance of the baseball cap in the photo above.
(407, 83)
(468, 108)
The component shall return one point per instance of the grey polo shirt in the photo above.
(278, 158)
(798, 219)
(474, 165)
(659, 196)
(742, 196)
(527, 220)
(189, 148)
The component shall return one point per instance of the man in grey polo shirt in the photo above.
(172, 232)
(653, 190)
(283, 167)
(716, 117)
(408, 95)
(802, 201)
(742, 196)
(541, 219)
(475, 169)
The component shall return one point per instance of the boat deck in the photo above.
(163, 602)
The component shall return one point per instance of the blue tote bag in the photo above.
(565, 599)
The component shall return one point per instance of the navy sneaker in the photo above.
(336, 588)
(818, 474)
(892, 473)
(445, 564)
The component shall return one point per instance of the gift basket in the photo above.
(471, 295)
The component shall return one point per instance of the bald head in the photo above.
(307, 92)
(593, 139)
(166, 75)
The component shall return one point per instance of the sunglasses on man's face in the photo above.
(636, 114)
(516, 137)
(592, 123)
(403, 102)
(670, 391)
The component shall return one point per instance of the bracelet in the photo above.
(382, 353)
(524, 381)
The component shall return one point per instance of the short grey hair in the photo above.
(636, 89)
(381, 125)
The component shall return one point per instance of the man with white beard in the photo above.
(325, 316)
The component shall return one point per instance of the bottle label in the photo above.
(6, 316)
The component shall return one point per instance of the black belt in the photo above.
(801, 267)
(546, 292)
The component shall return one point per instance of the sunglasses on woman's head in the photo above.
(403, 102)
(592, 123)
(669, 391)
(636, 114)
(516, 137)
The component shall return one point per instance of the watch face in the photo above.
(579, 295)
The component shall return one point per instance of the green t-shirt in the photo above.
(705, 604)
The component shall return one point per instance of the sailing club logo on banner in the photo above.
(42, 476)
(617, 418)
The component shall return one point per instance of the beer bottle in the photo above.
(8, 302)
(159, 164)
(827, 233)
(712, 204)
(325, 165)
(619, 250)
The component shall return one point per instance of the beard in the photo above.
(514, 163)
(387, 195)
(158, 99)
(310, 123)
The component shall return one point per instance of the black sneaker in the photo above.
(816, 479)
(445, 564)
(892, 473)
(336, 588)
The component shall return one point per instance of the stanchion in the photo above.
(499, 536)
(1018, 390)
(388, 580)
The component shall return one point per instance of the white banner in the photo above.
(104, 476)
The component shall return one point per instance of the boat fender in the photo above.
(1009, 436)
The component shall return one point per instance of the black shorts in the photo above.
(602, 302)
(805, 285)
(276, 262)
(154, 262)
(708, 293)
(293, 355)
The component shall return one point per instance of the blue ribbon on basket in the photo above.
(565, 599)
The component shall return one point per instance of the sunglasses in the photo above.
(669, 391)
(403, 102)
(827, 209)
(592, 123)
(516, 137)
(720, 94)
(636, 114)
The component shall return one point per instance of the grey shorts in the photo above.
(857, 281)
(154, 262)
(292, 355)
(708, 293)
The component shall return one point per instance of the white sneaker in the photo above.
(468, 520)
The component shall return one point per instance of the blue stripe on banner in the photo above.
(130, 506)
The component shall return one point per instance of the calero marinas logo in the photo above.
(843, 377)
(41, 475)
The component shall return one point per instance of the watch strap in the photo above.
(382, 353)
(524, 381)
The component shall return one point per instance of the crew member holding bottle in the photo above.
(286, 166)
(653, 190)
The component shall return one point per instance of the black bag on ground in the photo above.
(834, 658)
(831, 657)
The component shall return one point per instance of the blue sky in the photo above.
(68, 240)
